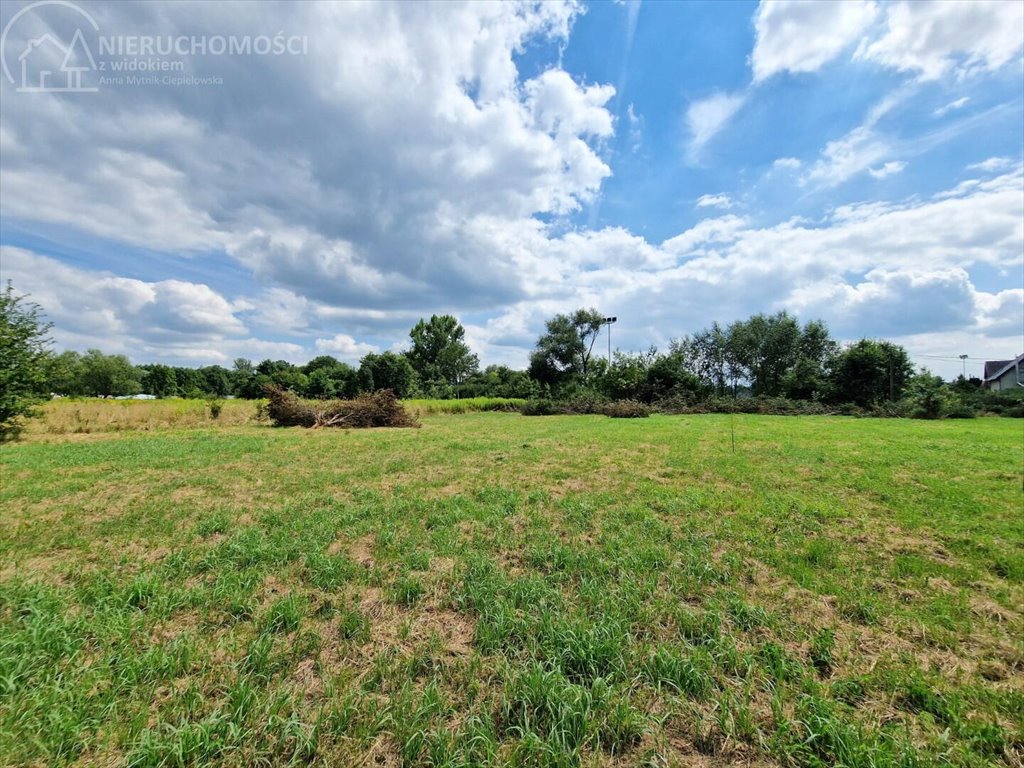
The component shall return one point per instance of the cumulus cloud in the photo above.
(934, 38)
(896, 302)
(353, 187)
(344, 346)
(101, 309)
(795, 36)
(415, 169)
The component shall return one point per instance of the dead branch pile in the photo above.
(378, 409)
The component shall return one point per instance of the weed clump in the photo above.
(378, 409)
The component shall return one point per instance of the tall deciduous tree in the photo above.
(386, 371)
(439, 351)
(765, 348)
(108, 375)
(564, 350)
(23, 354)
(870, 371)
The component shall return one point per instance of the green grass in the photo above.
(498, 590)
(465, 405)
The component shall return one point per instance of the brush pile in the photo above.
(378, 409)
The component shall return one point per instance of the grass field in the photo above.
(493, 589)
(84, 416)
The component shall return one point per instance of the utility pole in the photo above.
(963, 359)
(608, 321)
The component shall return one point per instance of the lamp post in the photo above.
(608, 321)
(963, 359)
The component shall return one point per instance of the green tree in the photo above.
(329, 377)
(707, 355)
(159, 380)
(24, 348)
(387, 371)
(108, 375)
(282, 374)
(500, 381)
(64, 374)
(439, 351)
(626, 378)
(218, 380)
(869, 372)
(669, 376)
(191, 382)
(563, 352)
(816, 351)
(765, 348)
(243, 379)
(928, 395)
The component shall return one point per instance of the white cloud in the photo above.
(707, 117)
(948, 36)
(952, 106)
(123, 314)
(367, 199)
(345, 347)
(889, 169)
(992, 164)
(797, 36)
(636, 129)
(714, 201)
(858, 150)
(786, 163)
(843, 158)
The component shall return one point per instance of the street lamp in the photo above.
(963, 359)
(608, 321)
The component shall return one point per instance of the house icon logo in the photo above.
(47, 63)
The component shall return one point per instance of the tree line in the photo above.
(763, 356)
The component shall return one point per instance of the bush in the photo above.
(778, 406)
(379, 409)
(586, 404)
(216, 405)
(961, 411)
(540, 408)
(626, 409)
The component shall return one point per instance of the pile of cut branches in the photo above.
(378, 409)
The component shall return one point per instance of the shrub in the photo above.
(587, 404)
(216, 405)
(379, 409)
(541, 408)
(961, 411)
(626, 409)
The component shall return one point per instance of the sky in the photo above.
(219, 180)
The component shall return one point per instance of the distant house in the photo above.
(1004, 374)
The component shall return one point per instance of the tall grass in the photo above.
(467, 405)
(67, 416)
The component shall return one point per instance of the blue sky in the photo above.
(671, 163)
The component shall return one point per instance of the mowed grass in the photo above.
(493, 589)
